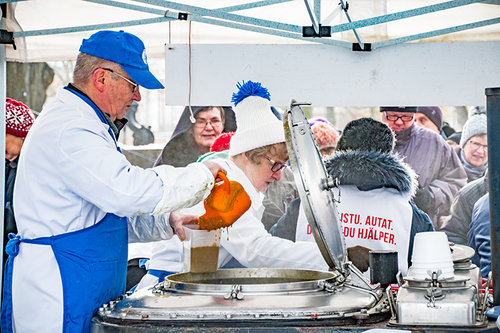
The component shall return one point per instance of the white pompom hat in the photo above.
(257, 125)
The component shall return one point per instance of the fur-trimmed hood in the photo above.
(370, 169)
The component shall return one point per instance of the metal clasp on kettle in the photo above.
(235, 293)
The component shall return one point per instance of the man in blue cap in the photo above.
(78, 201)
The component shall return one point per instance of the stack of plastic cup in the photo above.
(201, 250)
(431, 253)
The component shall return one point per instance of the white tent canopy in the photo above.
(53, 26)
(227, 37)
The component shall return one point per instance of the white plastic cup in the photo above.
(431, 253)
(201, 250)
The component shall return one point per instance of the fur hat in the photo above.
(473, 126)
(398, 108)
(366, 134)
(18, 118)
(434, 114)
(325, 134)
(257, 125)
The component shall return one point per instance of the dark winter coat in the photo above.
(438, 167)
(457, 224)
(9, 220)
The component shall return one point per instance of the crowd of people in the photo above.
(86, 225)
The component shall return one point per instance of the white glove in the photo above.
(183, 187)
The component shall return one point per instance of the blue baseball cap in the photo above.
(125, 49)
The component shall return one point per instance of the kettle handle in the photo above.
(226, 184)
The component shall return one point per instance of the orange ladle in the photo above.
(225, 204)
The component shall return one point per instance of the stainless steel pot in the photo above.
(253, 297)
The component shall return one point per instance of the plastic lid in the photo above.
(461, 252)
(314, 186)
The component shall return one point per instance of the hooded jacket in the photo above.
(362, 175)
(181, 150)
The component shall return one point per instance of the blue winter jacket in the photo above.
(479, 235)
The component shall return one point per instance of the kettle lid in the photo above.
(315, 187)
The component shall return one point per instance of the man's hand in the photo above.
(360, 257)
(214, 169)
(177, 220)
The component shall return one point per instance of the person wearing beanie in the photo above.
(191, 140)
(257, 158)
(430, 117)
(18, 120)
(355, 134)
(454, 139)
(78, 201)
(473, 147)
(440, 172)
(325, 134)
(370, 173)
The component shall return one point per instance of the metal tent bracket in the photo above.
(324, 31)
(7, 37)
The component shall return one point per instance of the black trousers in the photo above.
(134, 273)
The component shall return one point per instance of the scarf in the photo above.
(473, 172)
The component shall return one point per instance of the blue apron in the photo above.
(92, 263)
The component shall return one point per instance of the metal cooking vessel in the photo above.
(453, 302)
(251, 296)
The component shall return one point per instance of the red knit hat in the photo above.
(222, 142)
(18, 118)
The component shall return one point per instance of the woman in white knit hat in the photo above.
(473, 149)
(257, 157)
